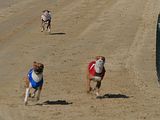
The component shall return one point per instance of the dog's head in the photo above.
(100, 58)
(100, 61)
(38, 67)
(46, 12)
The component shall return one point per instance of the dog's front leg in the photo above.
(39, 92)
(26, 96)
(34, 93)
(42, 25)
(98, 85)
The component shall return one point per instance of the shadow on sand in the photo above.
(57, 102)
(112, 96)
(57, 33)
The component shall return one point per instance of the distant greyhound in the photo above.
(95, 72)
(46, 20)
(34, 80)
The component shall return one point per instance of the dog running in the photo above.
(34, 80)
(95, 73)
(46, 20)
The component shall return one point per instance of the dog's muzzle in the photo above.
(99, 66)
(38, 71)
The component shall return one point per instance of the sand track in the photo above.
(122, 30)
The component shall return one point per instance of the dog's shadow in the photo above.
(57, 33)
(57, 102)
(112, 96)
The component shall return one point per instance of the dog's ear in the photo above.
(102, 57)
(42, 65)
(97, 57)
(45, 11)
(34, 64)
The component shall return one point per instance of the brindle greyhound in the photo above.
(46, 20)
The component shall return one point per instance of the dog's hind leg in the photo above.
(42, 26)
(34, 93)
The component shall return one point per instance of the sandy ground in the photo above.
(8, 3)
(121, 30)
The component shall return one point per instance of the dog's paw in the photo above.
(49, 30)
(25, 103)
(97, 94)
(33, 95)
(37, 99)
(42, 29)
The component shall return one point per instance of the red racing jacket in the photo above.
(93, 72)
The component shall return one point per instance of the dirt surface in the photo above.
(121, 30)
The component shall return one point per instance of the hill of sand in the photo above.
(121, 30)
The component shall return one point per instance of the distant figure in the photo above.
(95, 73)
(46, 20)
